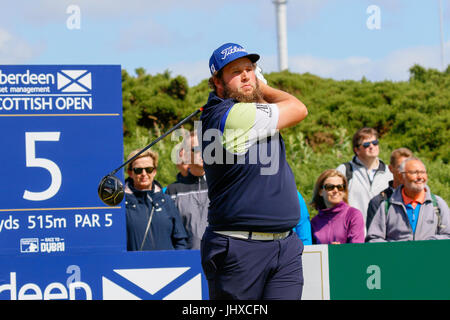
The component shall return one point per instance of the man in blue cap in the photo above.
(249, 250)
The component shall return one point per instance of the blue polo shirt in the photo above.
(413, 215)
(250, 184)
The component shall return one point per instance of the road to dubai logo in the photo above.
(44, 245)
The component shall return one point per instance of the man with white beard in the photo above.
(413, 212)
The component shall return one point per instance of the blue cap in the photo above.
(227, 53)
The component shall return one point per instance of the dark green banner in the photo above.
(395, 270)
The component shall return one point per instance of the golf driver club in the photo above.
(110, 189)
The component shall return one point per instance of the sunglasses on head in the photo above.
(367, 144)
(330, 187)
(139, 170)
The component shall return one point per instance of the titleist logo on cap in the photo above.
(230, 50)
(227, 53)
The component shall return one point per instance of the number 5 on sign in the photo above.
(31, 161)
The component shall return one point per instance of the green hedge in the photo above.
(413, 114)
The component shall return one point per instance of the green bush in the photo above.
(413, 114)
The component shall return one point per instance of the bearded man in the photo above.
(249, 250)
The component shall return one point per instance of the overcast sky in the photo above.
(329, 38)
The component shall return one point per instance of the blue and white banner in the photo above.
(155, 275)
(60, 133)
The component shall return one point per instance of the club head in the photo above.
(110, 190)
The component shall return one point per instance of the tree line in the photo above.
(413, 114)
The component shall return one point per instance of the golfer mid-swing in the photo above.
(249, 250)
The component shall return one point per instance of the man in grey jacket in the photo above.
(397, 157)
(369, 175)
(190, 191)
(412, 212)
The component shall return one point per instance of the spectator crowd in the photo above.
(363, 200)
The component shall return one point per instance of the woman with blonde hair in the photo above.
(336, 221)
(153, 220)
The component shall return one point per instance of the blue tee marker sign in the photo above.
(60, 133)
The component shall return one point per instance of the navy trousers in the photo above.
(239, 269)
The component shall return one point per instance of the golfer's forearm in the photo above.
(292, 110)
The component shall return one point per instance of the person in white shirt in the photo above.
(367, 174)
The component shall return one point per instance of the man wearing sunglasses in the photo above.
(153, 220)
(368, 175)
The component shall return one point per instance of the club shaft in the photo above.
(159, 138)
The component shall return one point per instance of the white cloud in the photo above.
(394, 66)
(48, 11)
(14, 50)
(194, 72)
(140, 34)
